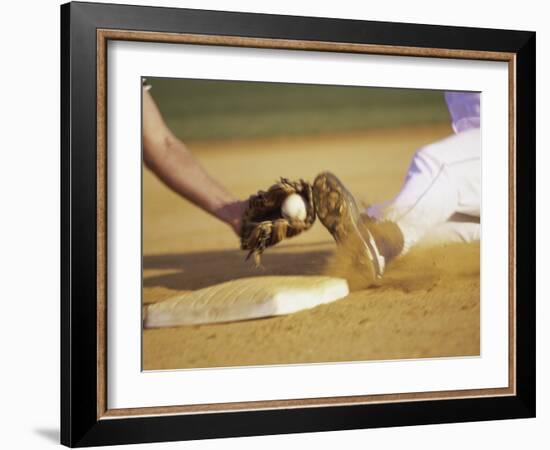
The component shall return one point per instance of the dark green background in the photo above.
(206, 109)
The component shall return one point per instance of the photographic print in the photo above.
(273, 224)
(292, 223)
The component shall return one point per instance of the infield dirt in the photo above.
(427, 305)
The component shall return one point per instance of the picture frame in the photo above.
(86, 418)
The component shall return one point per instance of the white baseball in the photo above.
(294, 208)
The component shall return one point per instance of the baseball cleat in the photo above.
(338, 212)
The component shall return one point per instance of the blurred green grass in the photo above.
(212, 109)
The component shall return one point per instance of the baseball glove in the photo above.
(263, 223)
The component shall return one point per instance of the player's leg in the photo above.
(443, 179)
(453, 232)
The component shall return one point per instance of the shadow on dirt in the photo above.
(196, 270)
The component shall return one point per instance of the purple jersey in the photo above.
(464, 109)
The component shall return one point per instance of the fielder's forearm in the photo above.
(178, 169)
(175, 165)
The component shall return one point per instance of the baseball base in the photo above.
(247, 298)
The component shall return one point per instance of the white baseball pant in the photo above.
(441, 196)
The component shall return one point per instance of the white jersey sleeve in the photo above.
(464, 110)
